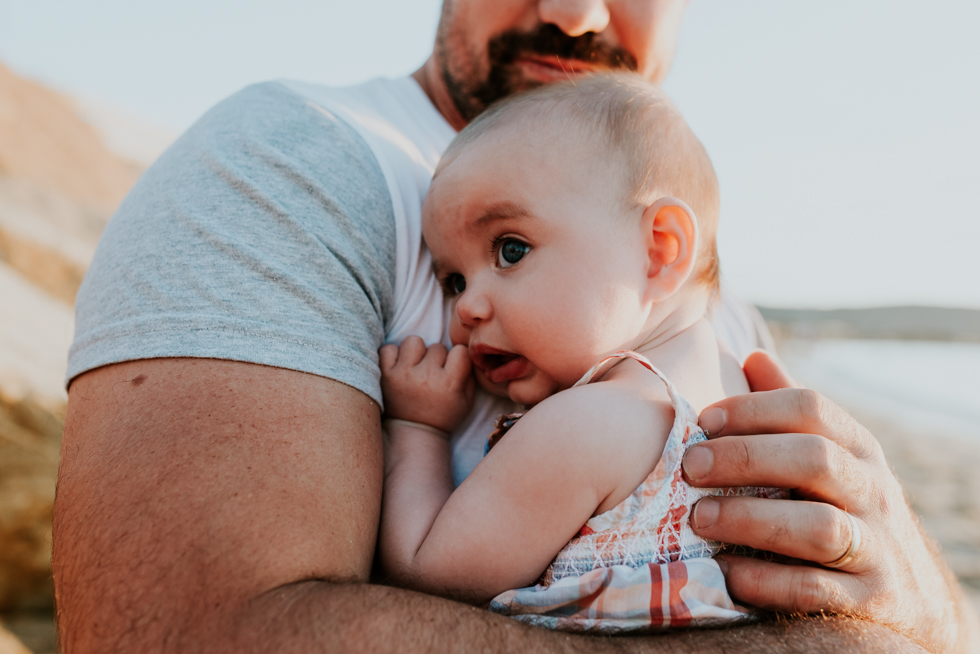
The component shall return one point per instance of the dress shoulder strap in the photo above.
(681, 406)
(589, 377)
(683, 412)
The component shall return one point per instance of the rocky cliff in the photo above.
(58, 187)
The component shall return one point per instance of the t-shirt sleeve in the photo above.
(265, 234)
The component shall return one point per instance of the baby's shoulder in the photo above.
(613, 430)
(610, 402)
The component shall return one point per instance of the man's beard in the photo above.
(504, 75)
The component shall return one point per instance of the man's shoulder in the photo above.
(739, 325)
(271, 113)
(272, 139)
(264, 234)
(390, 125)
(394, 116)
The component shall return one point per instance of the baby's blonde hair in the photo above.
(662, 155)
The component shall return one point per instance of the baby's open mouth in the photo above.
(498, 366)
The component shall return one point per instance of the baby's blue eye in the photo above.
(511, 251)
(455, 284)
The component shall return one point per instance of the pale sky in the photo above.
(846, 135)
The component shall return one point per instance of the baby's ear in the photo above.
(672, 246)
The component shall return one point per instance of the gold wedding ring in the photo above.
(852, 549)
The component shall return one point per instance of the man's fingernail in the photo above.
(713, 420)
(706, 513)
(698, 462)
(723, 564)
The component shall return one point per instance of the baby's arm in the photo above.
(531, 494)
(433, 389)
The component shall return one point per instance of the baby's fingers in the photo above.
(435, 356)
(411, 351)
(458, 363)
(387, 356)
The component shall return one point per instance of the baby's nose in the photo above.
(472, 307)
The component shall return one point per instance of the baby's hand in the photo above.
(426, 385)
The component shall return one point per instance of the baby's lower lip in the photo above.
(508, 371)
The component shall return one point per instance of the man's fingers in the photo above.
(787, 410)
(793, 588)
(387, 356)
(813, 465)
(764, 373)
(811, 531)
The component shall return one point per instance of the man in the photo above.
(222, 463)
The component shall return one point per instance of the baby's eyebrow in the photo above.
(500, 211)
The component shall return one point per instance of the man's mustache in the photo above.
(549, 40)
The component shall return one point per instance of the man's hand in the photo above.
(795, 438)
(427, 385)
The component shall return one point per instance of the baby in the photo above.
(573, 231)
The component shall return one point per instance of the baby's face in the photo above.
(544, 265)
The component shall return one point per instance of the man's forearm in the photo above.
(318, 616)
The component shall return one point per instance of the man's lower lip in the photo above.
(549, 71)
(508, 371)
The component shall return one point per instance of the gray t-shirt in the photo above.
(264, 234)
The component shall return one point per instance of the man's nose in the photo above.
(472, 307)
(575, 17)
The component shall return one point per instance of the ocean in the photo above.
(931, 387)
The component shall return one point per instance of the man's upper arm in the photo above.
(189, 487)
(264, 234)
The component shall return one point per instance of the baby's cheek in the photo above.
(459, 334)
(530, 391)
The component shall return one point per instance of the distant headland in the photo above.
(909, 323)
